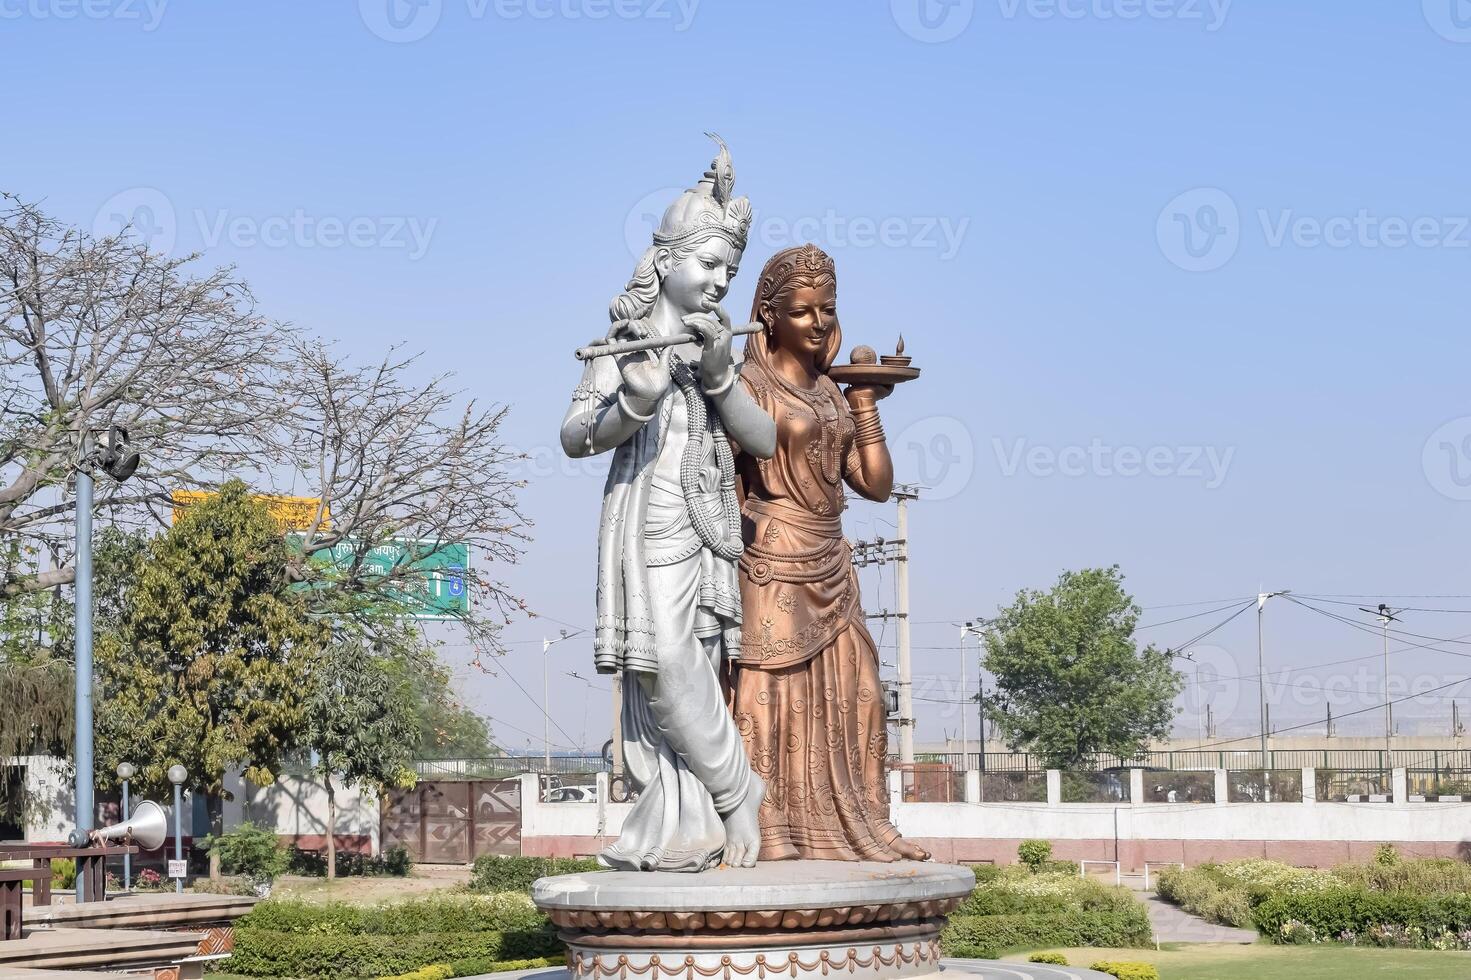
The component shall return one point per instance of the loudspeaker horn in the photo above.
(147, 827)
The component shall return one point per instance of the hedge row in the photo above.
(463, 913)
(515, 874)
(1018, 892)
(266, 953)
(470, 968)
(1127, 971)
(1119, 928)
(1351, 912)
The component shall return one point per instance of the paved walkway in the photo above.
(1173, 924)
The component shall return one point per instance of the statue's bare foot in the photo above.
(743, 828)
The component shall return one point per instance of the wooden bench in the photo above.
(10, 897)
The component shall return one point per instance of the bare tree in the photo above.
(393, 460)
(100, 331)
(97, 332)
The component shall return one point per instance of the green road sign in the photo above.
(433, 588)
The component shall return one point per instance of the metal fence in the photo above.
(1181, 760)
(500, 767)
(1264, 786)
(1437, 783)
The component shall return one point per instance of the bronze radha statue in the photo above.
(806, 694)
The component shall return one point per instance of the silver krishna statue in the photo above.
(662, 392)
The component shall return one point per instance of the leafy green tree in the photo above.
(207, 665)
(447, 729)
(361, 722)
(1070, 678)
(37, 651)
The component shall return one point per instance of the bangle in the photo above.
(724, 386)
(870, 429)
(628, 409)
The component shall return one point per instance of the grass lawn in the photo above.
(1178, 961)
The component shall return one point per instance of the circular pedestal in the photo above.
(784, 918)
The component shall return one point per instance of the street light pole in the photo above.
(1386, 616)
(1261, 602)
(177, 775)
(964, 732)
(546, 694)
(114, 459)
(125, 772)
(82, 594)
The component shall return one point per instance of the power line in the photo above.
(1182, 619)
(1365, 628)
(505, 671)
(1181, 648)
(1350, 714)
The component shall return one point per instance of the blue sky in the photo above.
(1187, 279)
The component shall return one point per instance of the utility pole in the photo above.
(880, 552)
(1386, 616)
(976, 627)
(1261, 668)
(904, 494)
(546, 690)
(964, 734)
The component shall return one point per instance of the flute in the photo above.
(608, 348)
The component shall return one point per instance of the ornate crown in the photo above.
(803, 260)
(707, 209)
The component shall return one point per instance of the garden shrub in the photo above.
(1016, 909)
(1354, 915)
(249, 850)
(1386, 856)
(439, 971)
(393, 863)
(1127, 971)
(264, 953)
(1331, 906)
(971, 951)
(335, 939)
(1015, 890)
(1429, 876)
(471, 967)
(1116, 929)
(464, 913)
(63, 874)
(1034, 853)
(493, 873)
(1054, 959)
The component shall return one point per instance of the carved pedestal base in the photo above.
(780, 919)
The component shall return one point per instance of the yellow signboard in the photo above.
(290, 513)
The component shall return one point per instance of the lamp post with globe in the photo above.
(125, 772)
(177, 775)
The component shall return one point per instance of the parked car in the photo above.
(571, 794)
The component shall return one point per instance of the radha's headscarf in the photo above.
(801, 265)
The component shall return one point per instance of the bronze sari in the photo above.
(806, 693)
